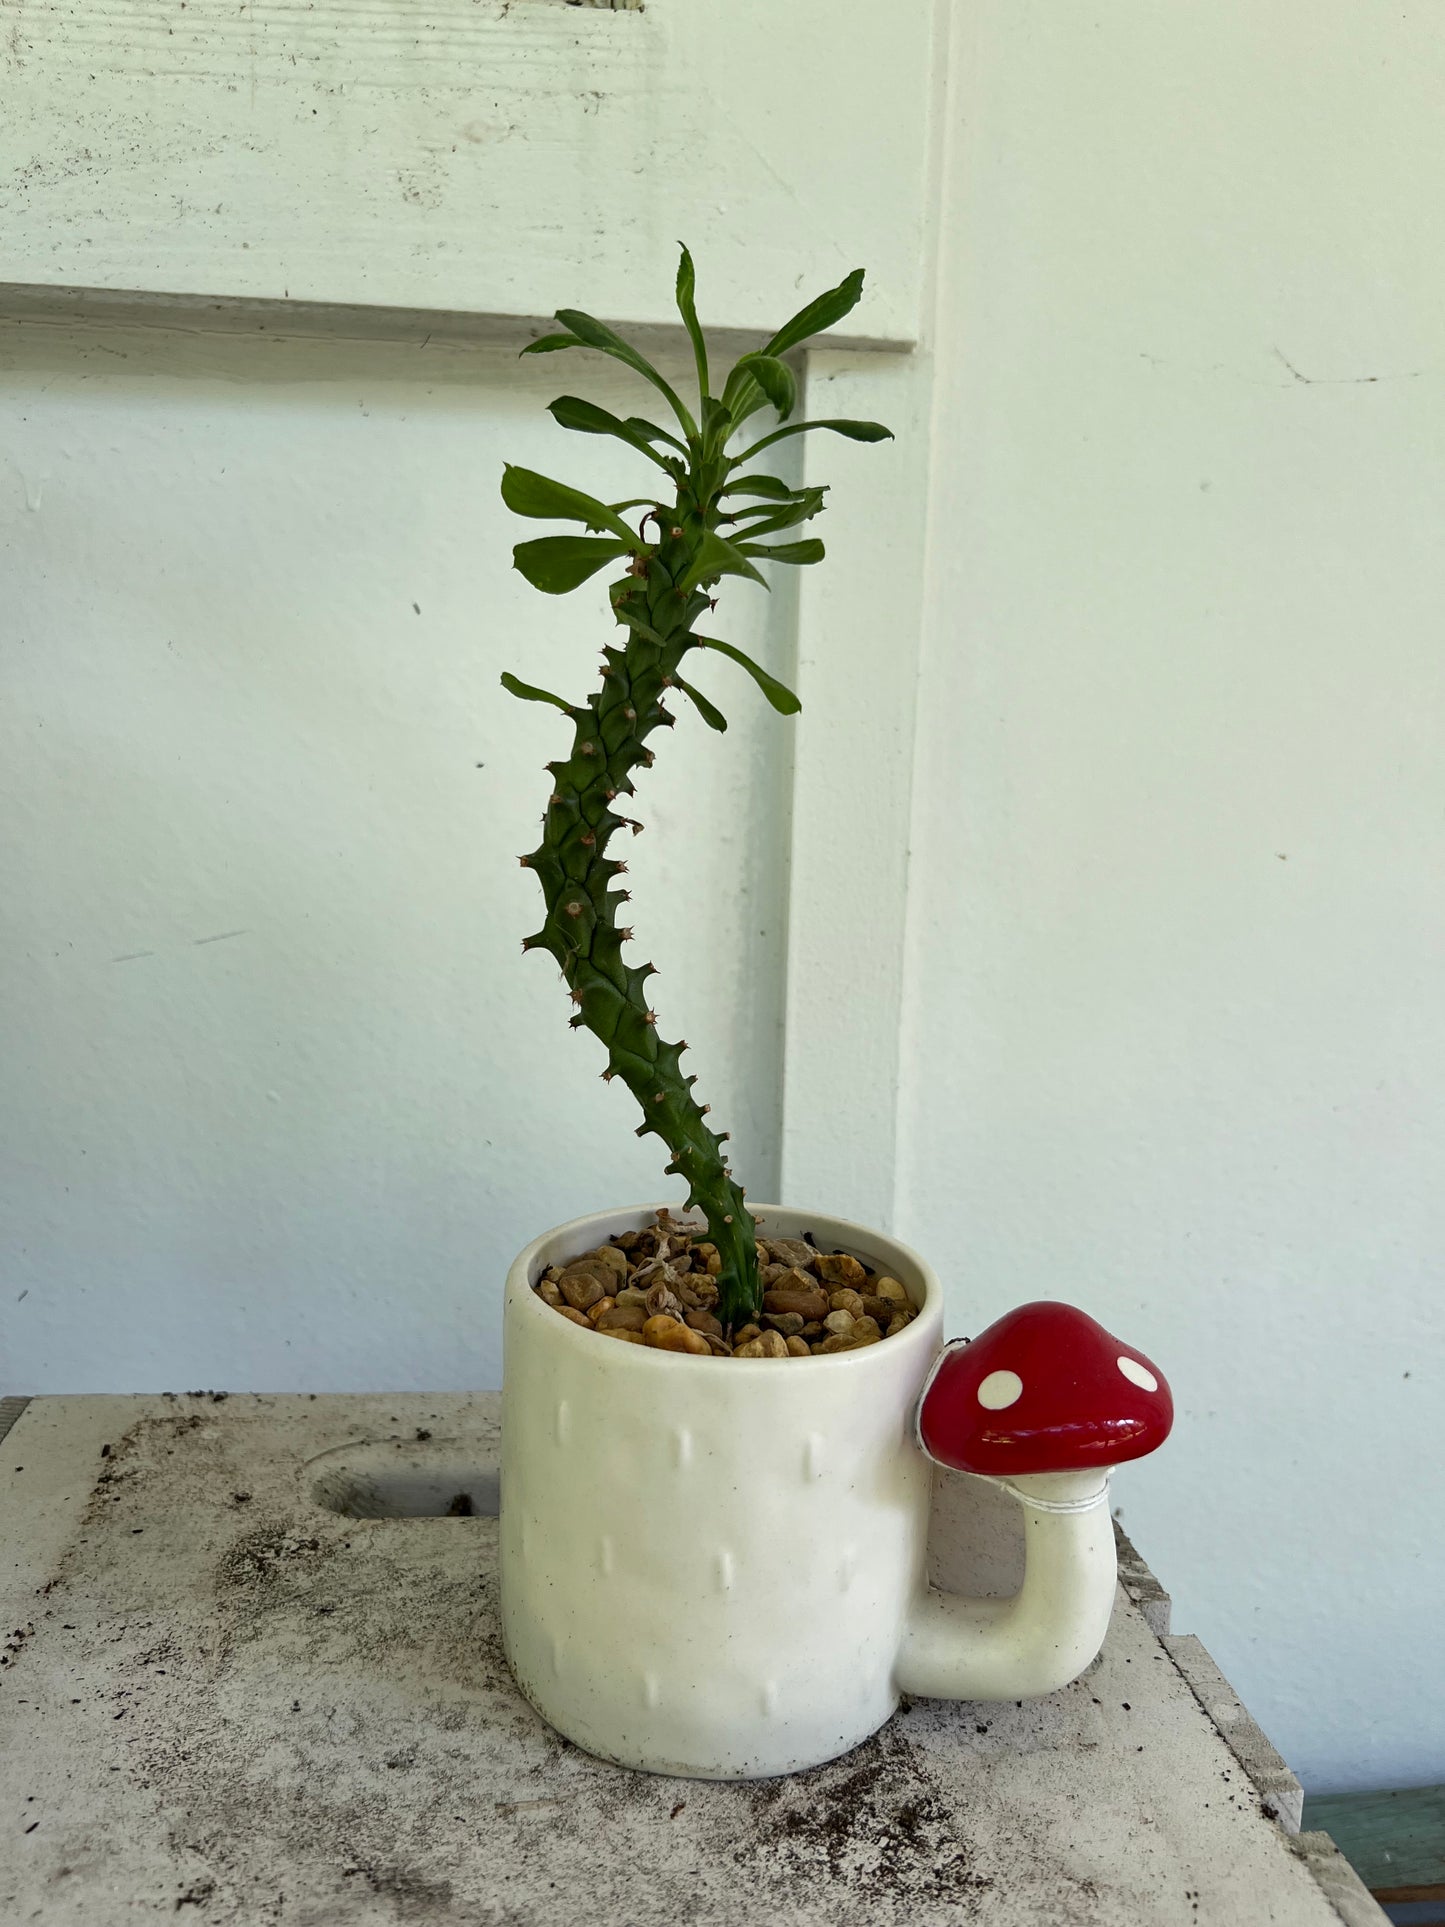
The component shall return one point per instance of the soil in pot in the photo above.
(655, 1287)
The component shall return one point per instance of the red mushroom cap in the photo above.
(1044, 1389)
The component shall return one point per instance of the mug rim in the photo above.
(648, 1357)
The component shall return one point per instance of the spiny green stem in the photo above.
(582, 930)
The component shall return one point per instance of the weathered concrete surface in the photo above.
(223, 1701)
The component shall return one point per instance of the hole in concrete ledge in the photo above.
(403, 1479)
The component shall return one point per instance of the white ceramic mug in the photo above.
(717, 1566)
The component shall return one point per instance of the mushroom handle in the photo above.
(1045, 1636)
(1042, 1403)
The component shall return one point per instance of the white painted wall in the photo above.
(284, 1096)
(1165, 514)
(1175, 1022)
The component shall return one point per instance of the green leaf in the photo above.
(717, 556)
(652, 433)
(717, 424)
(556, 563)
(767, 518)
(687, 308)
(773, 377)
(596, 334)
(855, 432)
(767, 485)
(529, 692)
(586, 418)
(549, 344)
(799, 553)
(819, 314)
(782, 699)
(527, 493)
(714, 718)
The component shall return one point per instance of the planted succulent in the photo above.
(712, 516)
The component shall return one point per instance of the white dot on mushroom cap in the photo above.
(1138, 1374)
(999, 1389)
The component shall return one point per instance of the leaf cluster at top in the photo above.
(727, 505)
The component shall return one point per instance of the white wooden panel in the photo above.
(858, 636)
(493, 156)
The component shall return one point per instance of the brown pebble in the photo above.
(610, 1257)
(797, 1347)
(632, 1295)
(719, 1347)
(814, 1329)
(789, 1323)
(582, 1285)
(880, 1308)
(839, 1322)
(774, 1344)
(745, 1334)
(809, 1303)
(711, 1258)
(623, 1332)
(667, 1335)
(752, 1349)
(704, 1322)
(594, 1312)
(762, 1250)
(866, 1331)
(577, 1317)
(772, 1275)
(839, 1269)
(790, 1251)
(549, 1294)
(622, 1318)
(897, 1324)
(836, 1342)
(846, 1300)
(890, 1288)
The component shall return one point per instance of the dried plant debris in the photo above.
(658, 1287)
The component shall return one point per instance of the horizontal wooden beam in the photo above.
(500, 157)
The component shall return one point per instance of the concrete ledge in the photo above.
(224, 1698)
(1338, 1881)
(1278, 1789)
(1142, 1587)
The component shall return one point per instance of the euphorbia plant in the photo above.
(708, 520)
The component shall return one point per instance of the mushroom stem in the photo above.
(993, 1649)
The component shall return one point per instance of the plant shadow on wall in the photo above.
(714, 517)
